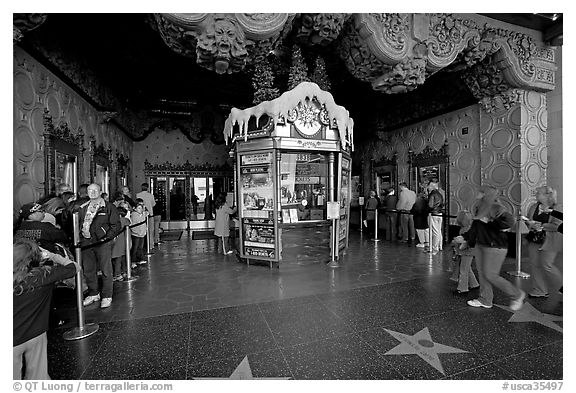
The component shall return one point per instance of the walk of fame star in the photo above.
(244, 372)
(529, 314)
(421, 344)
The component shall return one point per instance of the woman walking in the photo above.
(488, 238)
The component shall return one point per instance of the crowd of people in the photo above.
(45, 228)
(482, 238)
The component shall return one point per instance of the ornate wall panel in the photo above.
(514, 153)
(172, 146)
(462, 131)
(35, 89)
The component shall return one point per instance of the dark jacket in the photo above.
(106, 222)
(435, 202)
(420, 213)
(44, 233)
(490, 234)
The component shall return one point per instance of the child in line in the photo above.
(119, 247)
(138, 233)
(463, 273)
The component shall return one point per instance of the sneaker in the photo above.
(106, 302)
(88, 300)
(420, 245)
(229, 252)
(141, 262)
(118, 277)
(531, 294)
(517, 304)
(134, 266)
(477, 303)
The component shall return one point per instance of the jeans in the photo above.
(390, 219)
(466, 277)
(489, 262)
(36, 353)
(95, 258)
(119, 265)
(407, 225)
(137, 252)
(546, 278)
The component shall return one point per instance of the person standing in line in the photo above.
(222, 228)
(371, 208)
(31, 226)
(138, 233)
(420, 214)
(487, 236)
(99, 220)
(390, 215)
(544, 244)
(435, 207)
(32, 288)
(119, 247)
(406, 201)
(149, 203)
(128, 197)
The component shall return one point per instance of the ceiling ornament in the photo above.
(320, 29)
(489, 86)
(221, 42)
(23, 23)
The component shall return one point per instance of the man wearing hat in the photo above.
(31, 227)
(99, 220)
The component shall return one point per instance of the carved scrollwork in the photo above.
(187, 167)
(522, 47)
(403, 77)
(395, 29)
(487, 83)
(26, 22)
(359, 58)
(176, 37)
(321, 29)
(61, 131)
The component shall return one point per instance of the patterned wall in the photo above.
(461, 130)
(172, 146)
(36, 88)
(514, 151)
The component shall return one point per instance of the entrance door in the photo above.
(177, 199)
(203, 189)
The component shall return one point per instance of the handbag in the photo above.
(536, 237)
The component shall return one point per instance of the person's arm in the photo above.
(502, 222)
(115, 226)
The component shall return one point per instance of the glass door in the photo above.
(177, 199)
(158, 187)
(202, 198)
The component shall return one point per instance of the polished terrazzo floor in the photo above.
(389, 312)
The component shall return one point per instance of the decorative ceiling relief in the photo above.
(487, 83)
(222, 41)
(23, 23)
(320, 29)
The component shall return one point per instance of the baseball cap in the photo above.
(30, 208)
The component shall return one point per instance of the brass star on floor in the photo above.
(421, 344)
(529, 314)
(244, 372)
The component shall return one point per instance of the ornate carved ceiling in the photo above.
(390, 52)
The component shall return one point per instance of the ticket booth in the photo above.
(293, 170)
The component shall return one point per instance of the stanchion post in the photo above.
(83, 329)
(361, 221)
(430, 232)
(129, 276)
(518, 272)
(376, 226)
(148, 248)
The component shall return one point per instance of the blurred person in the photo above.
(544, 244)
(371, 207)
(487, 236)
(463, 273)
(128, 197)
(391, 215)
